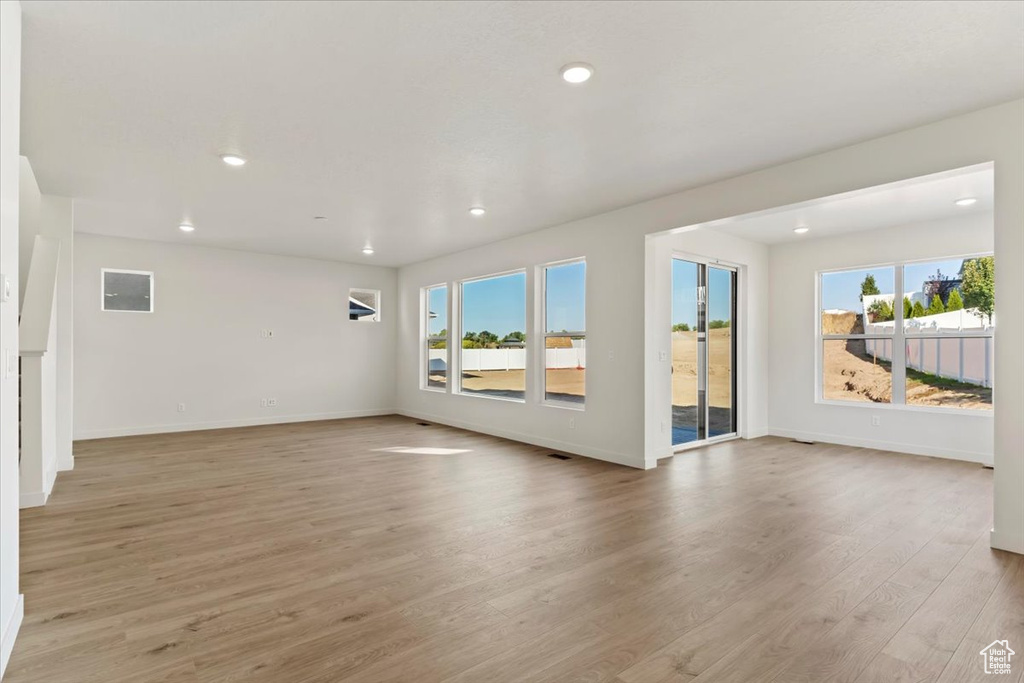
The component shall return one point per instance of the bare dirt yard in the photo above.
(851, 374)
(684, 368)
(565, 384)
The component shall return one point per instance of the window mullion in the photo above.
(899, 345)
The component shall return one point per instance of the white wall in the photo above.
(11, 606)
(202, 346)
(614, 423)
(606, 429)
(965, 435)
(56, 220)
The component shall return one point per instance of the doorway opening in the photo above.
(704, 335)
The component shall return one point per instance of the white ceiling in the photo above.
(916, 200)
(392, 119)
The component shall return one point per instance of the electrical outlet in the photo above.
(611, 355)
(876, 421)
(271, 402)
(572, 423)
(263, 403)
(181, 407)
(267, 333)
(662, 356)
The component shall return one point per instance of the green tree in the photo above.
(718, 324)
(881, 311)
(515, 336)
(908, 308)
(680, 327)
(936, 307)
(955, 303)
(918, 310)
(979, 285)
(868, 287)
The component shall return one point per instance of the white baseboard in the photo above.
(1013, 544)
(10, 633)
(225, 424)
(912, 449)
(51, 479)
(32, 499)
(534, 440)
(755, 433)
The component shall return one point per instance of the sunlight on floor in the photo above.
(423, 450)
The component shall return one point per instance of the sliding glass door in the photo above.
(703, 351)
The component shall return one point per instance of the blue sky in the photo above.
(566, 292)
(497, 305)
(438, 304)
(842, 290)
(684, 293)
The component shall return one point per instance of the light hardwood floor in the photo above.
(379, 550)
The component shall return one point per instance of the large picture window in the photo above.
(436, 326)
(931, 346)
(493, 354)
(565, 337)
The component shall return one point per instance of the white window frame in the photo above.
(542, 276)
(378, 295)
(899, 339)
(103, 288)
(457, 309)
(427, 338)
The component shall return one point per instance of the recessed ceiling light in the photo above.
(185, 227)
(966, 201)
(232, 160)
(577, 73)
(367, 250)
(800, 229)
(478, 210)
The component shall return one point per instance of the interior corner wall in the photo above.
(202, 344)
(794, 412)
(11, 605)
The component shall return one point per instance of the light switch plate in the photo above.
(5, 288)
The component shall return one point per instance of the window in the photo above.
(126, 290)
(850, 347)
(931, 347)
(436, 325)
(565, 337)
(364, 305)
(948, 358)
(493, 354)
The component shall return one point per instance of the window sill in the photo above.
(968, 412)
(471, 394)
(565, 405)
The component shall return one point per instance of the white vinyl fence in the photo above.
(507, 359)
(966, 359)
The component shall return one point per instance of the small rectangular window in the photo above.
(493, 360)
(436, 325)
(565, 336)
(126, 290)
(364, 305)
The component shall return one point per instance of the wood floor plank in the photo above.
(377, 549)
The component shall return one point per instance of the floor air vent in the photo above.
(423, 424)
(806, 443)
(559, 456)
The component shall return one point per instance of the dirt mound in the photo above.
(846, 322)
